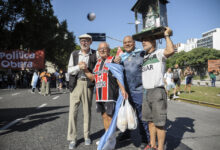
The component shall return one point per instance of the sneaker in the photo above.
(72, 145)
(88, 141)
(97, 142)
(178, 93)
(174, 97)
(148, 147)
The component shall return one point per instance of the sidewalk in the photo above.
(202, 83)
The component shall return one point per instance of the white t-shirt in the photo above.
(153, 69)
(168, 77)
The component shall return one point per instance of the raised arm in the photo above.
(169, 50)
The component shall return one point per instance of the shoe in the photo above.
(178, 93)
(168, 99)
(148, 147)
(32, 92)
(72, 145)
(88, 141)
(97, 143)
(174, 97)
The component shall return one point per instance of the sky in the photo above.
(187, 18)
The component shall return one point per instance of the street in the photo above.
(34, 122)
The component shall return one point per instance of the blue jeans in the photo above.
(213, 82)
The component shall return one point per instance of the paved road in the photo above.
(33, 122)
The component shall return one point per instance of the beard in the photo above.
(148, 48)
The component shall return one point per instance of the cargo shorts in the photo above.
(154, 107)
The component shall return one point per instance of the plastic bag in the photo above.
(131, 116)
(122, 121)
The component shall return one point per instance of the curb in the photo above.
(199, 103)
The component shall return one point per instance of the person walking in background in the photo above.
(177, 74)
(61, 79)
(168, 80)
(34, 81)
(212, 76)
(81, 89)
(132, 60)
(188, 73)
(45, 83)
(56, 74)
(154, 107)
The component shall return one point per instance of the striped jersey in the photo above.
(106, 84)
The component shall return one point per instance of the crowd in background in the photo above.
(33, 79)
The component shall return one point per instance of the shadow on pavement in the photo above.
(175, 131)
(93, 136)
(30, 120)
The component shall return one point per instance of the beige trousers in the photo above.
(80, 94)
(45, 87)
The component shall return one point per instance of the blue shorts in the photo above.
(170, 86)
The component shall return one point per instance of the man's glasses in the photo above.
(104, 49)
(84, 41)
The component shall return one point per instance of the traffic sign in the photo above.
(98, 36)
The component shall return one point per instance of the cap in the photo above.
(85, 36)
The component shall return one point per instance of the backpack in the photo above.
(175, 74)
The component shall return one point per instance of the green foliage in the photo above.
(196, 59)
(114, 51)
(33, 25)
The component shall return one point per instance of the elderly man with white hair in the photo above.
(81, 88)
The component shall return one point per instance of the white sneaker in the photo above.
(72, 145)
(97, 143)
(174, 97)
(88, 141)
(178, 93)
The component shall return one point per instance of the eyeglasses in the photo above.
(104, 49)
(84, 41)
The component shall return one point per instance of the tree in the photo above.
(114, 51)
(196, 58)
(33, 25)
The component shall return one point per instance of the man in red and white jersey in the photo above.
(107, 86)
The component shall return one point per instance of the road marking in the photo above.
(11, 123)
(14, 94)
(45, 104)
(56, 97)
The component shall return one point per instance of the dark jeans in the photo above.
(141, 133)
(213, 82)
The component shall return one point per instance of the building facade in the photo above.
(210, 39)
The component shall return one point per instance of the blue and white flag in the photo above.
(108, 141)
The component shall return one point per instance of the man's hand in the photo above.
(82, 65)
(168, 32)
(117, 59)
(124, 94)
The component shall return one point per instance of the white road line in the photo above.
(11, 123)
(15, 94)
(45, 104)
(56, 97)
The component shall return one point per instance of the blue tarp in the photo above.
(117, 71)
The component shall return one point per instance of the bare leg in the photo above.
(189, 88)
(152, 130)
(161, 137)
